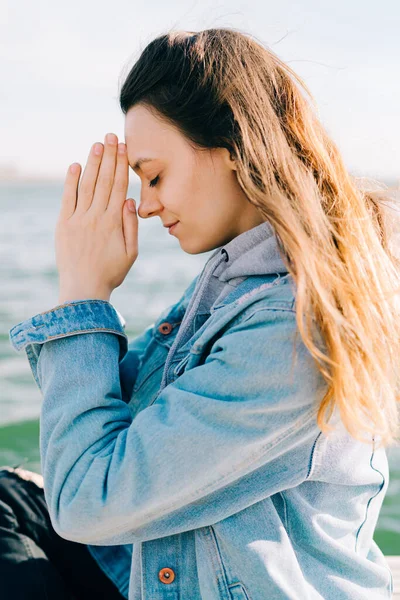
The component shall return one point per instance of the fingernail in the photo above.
(121, 148)
(131, 205)
(111, 138)
(98, 148)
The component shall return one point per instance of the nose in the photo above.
(149, 206)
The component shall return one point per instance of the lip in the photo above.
(171, 229)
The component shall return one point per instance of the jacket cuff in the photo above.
(77, 316)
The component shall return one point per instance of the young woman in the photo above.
(236, 448)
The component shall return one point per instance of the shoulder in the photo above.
(264, 309)
(260, 297)
(278, 293)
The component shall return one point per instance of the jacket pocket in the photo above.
(157, 351)
(152, 361)
(238, 591)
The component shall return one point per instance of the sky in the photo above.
(62, 65)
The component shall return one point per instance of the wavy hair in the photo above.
(223, 88)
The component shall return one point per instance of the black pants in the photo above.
(35, 562)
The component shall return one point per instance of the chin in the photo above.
(199, 249)
(190, 249)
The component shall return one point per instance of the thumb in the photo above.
(130, 226)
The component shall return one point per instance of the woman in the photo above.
(235, 449)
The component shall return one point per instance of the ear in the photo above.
(229, 160)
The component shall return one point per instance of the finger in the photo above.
(89, 178)
(69, 196)
(105, 178)
(130, 229)
(121, 180)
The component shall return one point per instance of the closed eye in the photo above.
(154, 181)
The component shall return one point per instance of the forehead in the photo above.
(146, 133)
(148, 136)
(139, 119)
(143, 128)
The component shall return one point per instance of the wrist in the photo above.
(71, 295)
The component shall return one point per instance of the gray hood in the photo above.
(253, 252)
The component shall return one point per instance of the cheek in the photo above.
(181, 192)
(173, 196)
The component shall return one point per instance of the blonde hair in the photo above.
(222, 88)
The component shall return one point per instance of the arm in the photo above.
(110, 479)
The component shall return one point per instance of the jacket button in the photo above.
(165, 328)
(166, 575)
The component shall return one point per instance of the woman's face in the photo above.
(198, 188)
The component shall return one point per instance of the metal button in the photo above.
(166, 575)
(165, 328)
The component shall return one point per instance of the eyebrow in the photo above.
(140, 161)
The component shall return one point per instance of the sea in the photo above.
(29, 211)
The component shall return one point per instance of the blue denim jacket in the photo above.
(189, 460)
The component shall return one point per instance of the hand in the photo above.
(96, 234)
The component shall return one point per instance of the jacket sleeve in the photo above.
(188, 459)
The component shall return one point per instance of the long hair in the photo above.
(222, 88)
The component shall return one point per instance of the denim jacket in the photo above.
(188, 459)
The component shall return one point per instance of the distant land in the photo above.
(10, 173)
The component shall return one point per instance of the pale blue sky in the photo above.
(61, 64)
